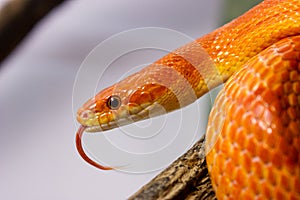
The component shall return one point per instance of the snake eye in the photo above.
(114, 102)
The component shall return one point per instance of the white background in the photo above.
(38, 156)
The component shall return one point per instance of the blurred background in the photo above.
(37, 151)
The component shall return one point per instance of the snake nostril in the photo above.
(85, 114)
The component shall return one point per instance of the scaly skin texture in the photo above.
(254, 141)
(253, 144)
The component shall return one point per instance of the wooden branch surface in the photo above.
(17, 18)
(185, 178)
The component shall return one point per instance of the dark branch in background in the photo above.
(185, 178)
(17, 18)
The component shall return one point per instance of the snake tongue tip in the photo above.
(82, 153)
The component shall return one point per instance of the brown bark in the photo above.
(17, 18)
(185, 178)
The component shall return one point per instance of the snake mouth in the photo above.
(118, 122)
(107, 126)
(126, 118)
(92, 129)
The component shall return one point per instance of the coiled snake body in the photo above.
(253, 135)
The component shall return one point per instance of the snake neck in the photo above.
(232, 45)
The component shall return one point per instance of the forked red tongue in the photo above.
(83, 154)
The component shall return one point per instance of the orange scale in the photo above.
(255, 86)
(277, 159)
(294, 197)
(247, 121)
(259, 197)
(296, 87)
(251, 147)
(254, 187)
(258, 109)
(238, 96)
(249, 98)
(231, 166)
(224, 181)
(235, 155)
(274, 61)
(268, 97)
(283, 48)
(275, 107)
(230, 107)
(294, 75)
(258, 131)
(247, 162)
(221, 163)
(284, 143)
(218, 122)
(292, 161)
(297, 185)
(285, 183)
(267, 117)
(243, 75)
(288, 87)
(280, 195)
(292, 99)
(272, 176)
(241, 139)
(228, 126)
(223, 104)
(230, 86)
(272, 79)
(294, 128)
(285, 119)
(247, 195)
(287, 65)
(258, 169)
(227, 147)
(232, 134)
(104, 118)
(291, 55)
(293, 64)
(156, 91)
(292, 171)
(261, 71)
(296, 144)
(277, 67)
(271, 140)
(241, 178)
(217, 145)
(266, 190)
(278, 89)
(263, 154)
(285, 76)
(296, 42)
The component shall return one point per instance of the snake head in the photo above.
(122, 104)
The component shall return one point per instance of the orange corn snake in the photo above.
(253, 136)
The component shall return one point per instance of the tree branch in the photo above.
(17, 18)
(185, 178)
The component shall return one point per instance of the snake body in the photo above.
(253, 135)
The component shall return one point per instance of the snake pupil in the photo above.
(114, 102)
